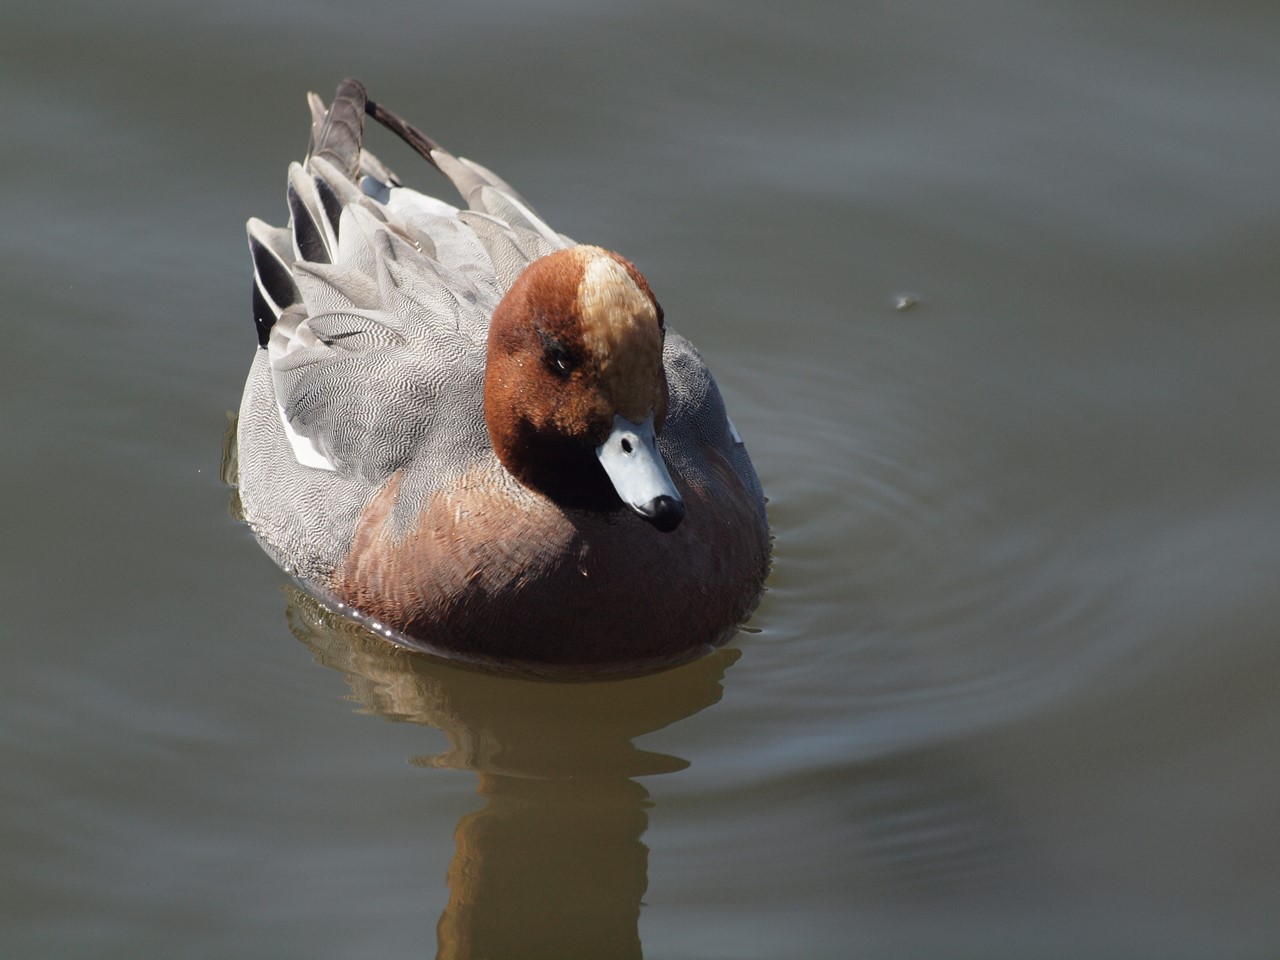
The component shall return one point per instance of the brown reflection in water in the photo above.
(553, 865)
(548, 868)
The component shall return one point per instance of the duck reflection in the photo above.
(553, 865)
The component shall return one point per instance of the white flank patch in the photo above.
(305, 450)
(733, 431)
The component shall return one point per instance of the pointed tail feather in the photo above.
(337, 134)
(483, 190)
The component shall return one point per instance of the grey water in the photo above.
(992, 292)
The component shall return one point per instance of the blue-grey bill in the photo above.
(630, 457)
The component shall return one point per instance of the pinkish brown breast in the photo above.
(493, 571)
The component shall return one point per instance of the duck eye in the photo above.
(559, 359)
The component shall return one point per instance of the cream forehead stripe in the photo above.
(620, 328)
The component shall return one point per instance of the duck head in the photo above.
(575, 393)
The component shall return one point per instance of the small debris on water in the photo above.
(904, 301)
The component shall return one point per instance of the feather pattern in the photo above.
(358, 288)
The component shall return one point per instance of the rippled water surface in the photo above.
(1015, 687)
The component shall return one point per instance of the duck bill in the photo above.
(637, 471)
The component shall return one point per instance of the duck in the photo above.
(478, 437)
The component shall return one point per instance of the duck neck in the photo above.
(561, 469)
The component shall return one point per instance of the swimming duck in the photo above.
(477, 436)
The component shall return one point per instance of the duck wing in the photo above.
(373, 304)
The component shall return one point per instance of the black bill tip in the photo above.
(664, 512)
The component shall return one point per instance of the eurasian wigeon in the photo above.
(477, 436)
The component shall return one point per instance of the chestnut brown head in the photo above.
(575, 390)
